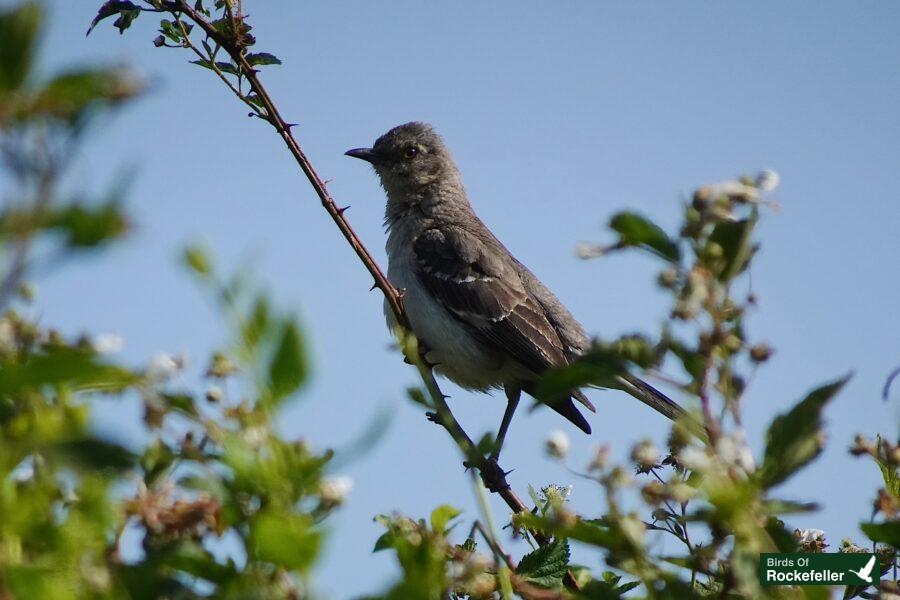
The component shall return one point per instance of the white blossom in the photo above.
(108, 343)
(333, 490)
(694, 458)
(557, 444)
(163, 366)
(808, 536)
(767, 180)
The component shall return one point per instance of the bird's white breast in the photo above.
(464, 359)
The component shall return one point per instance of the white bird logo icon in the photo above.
(866, 572)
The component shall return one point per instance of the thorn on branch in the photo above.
(374, 285)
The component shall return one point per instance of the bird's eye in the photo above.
(410, 152)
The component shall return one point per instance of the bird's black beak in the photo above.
(366, 154)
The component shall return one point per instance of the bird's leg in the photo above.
(512, 401)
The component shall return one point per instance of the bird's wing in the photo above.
(479, 285)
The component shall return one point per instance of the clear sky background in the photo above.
(558, 114)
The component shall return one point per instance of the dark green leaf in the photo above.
(384, 542)
(546, 565)
(262, 58)
(225, 67)
(287, 370)
(598, 366)
(795, 438)
(637, 230)
(195, 560)
(93, 453)
(733, 237)
(18, 33)
(887, 532)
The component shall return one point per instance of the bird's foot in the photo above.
(433, 417)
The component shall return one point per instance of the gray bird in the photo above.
(484, 318)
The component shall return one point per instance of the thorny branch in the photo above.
(493, 476)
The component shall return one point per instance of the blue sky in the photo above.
(558, 115)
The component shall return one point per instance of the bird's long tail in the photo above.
(651, 396)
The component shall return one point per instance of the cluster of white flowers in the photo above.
(808, 536)
(730, 450)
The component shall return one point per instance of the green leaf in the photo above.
(197, 258)
(87, 226)
(288, 540)
(795, 438)
(19, 27)
(75, 94)
(442, 515)
(384, 542)
(92, 453)
(81, 370)
(889, 472)
(287, 370)
(734, 239)
(598, 366)
(262, 58)
(225, 67)
(887, 532)
(127, 11)
(637, 230)
(546, 565)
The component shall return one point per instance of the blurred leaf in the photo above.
(155, 460)
(127, 11)
(795, 438)
(195, 560)
(442, 515)
(262, 58)
(384, 542)
(637, 230)
(288, 367)
(73, 95)
(784, 540)
(734, 239)
(183, 403)
(87, 226)
(79, 369)
(887, 532)
(889, 472)
(198, 260)
(19, 27)
(285, 539)
(598, 366)
(546, 565)
(92, 453)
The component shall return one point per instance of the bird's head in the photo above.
(409, 158)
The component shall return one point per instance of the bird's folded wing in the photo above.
(481, 288)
